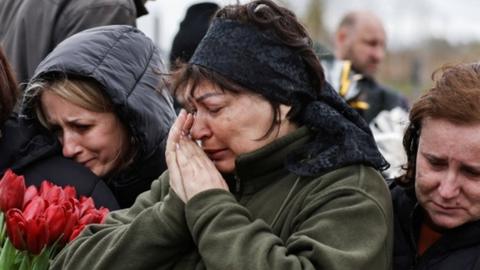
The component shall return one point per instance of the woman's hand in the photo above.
(178, 127)
(191, 171)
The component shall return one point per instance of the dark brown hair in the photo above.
(454, 97)
(8, 88)
(263, 14)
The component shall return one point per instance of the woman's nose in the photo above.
(200, 129)
(71, 146)
(449, 187)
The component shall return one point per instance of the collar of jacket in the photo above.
(257, 169)
(457, 238)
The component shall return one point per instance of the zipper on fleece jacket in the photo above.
(238, 184)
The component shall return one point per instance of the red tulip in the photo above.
(103, 212)
(70, 192)
(91, 216)
(45, 186)
(72, 217)
(85, 204)
(76, 231)
(12, 190)
(37, 235)
(56, 218)
(52, 193)
(30, 193)
(35, 208)
(16, 228)
(51, 214)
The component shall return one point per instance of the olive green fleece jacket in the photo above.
(272, 219)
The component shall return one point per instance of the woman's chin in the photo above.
(224, 166)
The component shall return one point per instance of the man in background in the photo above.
(359, 49)
(30, 29)
(361, 40)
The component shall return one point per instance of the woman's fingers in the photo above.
(174, 135)
(176, 182)
(187, 125)
(176, 131)
(197, 170)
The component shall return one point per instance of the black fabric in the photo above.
(258, 61)
(458, 248)
(30, 29)
(379, 98)
(127, 64)
(140, 7)
(192, 29)
(254, 59)
(29, 151)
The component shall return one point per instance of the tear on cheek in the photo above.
(199, 142)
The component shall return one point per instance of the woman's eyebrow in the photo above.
(207, 95)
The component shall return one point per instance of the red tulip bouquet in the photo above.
(35, 224)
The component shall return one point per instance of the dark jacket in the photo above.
(28, 150)
(458, 248)
(30, 29)
(127, 65)
(360, 88)
(379, 98)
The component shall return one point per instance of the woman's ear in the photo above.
(284, 109)
(285, 124)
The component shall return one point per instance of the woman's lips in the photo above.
(86, 163)
(446, 208)
(215, 154)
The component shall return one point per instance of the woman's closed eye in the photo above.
(214, 109)
(436, 162)
(81, 127)
(470, 171)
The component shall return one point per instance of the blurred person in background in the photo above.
(100, 92)
(361, 39)
(359, 50)
(270, 169)
(29, 150)
(437, 201)
(191, 31)
(30, 29)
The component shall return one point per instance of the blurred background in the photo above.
(422, 35)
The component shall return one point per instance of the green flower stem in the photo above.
(25, 263)
(8, 256)
(3, 228)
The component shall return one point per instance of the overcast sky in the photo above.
(406, 21)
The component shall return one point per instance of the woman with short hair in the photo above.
(437, 201)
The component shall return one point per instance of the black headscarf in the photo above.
(259, 61)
